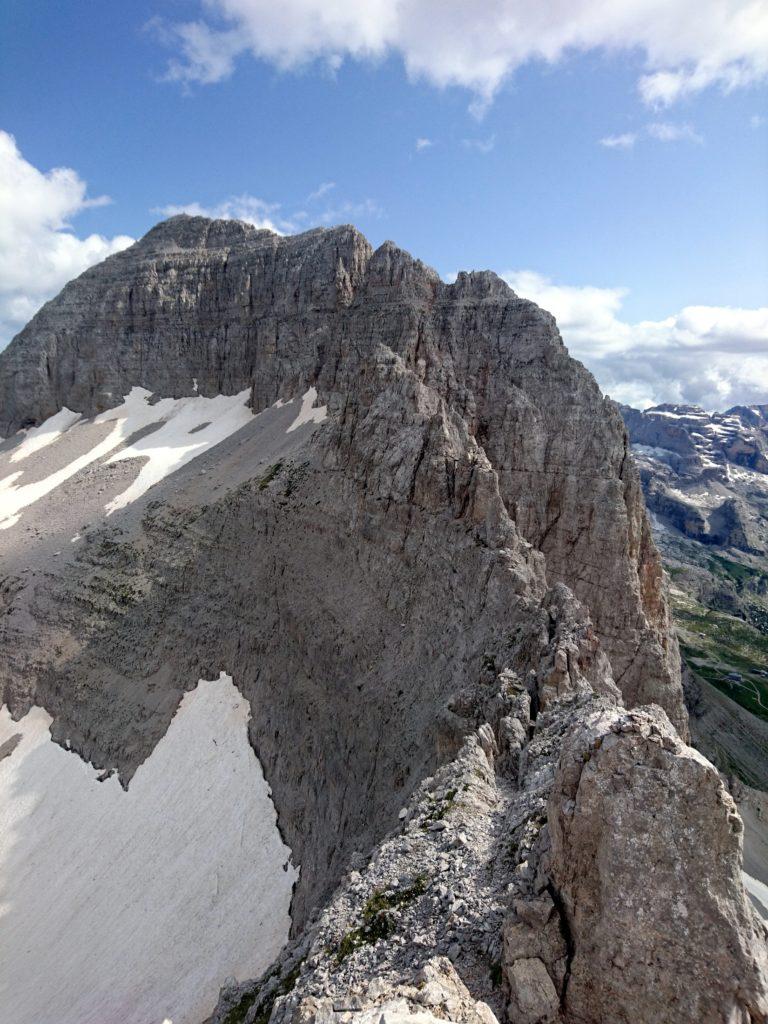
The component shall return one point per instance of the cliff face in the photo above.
(424, 561)
(213, 307)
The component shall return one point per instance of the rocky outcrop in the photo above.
(218, 306)
(646, 858)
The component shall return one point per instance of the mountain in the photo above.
(705, 480)
(339, 658)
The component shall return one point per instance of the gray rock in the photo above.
(646, 856)
(533, 999)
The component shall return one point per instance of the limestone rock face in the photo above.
(646, 856)
(216, 307)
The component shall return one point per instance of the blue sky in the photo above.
(674, 216)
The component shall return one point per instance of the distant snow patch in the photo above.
(308, 414)
(653, 452)
(132, 907)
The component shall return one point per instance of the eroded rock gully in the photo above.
(436, 603)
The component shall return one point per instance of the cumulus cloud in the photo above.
(39, 252)
(686, 46)
(422, 144)
(714, 356)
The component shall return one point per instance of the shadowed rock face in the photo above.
(219, 306)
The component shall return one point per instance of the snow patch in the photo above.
(39, 437)
(181, 438)
(757, 889)
(133, 906)
(653, 452)
(308, 414)
(166, 449)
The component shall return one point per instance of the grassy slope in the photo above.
(716, 643)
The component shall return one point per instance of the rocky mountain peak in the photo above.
(405, 525)
(481, 284)
(190, 232)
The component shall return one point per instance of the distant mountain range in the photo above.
(705, 479)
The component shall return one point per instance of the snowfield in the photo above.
(131, 907)
(308, 413)
(758, 890)
(188, 427)
(184, 427)
(165, 434)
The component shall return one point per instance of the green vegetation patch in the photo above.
(270, 475)
(729, 653)
(378, 921)
(238, 1013)
(736, 571)
(440, 808)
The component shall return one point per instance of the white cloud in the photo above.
(664, 131)
(483, 146)
(320, 191)
(756, 121)
(39, 252)
(661, 131)
(271, 216)
(686, 45)
(624, 141)
(245, 207)
(345, 212)
(422, 144)
(714, 356)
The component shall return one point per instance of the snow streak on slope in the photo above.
(191, 425)
(307, 413)
(130, 907)
(186, 427)
(757, 889)
(39, 437)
